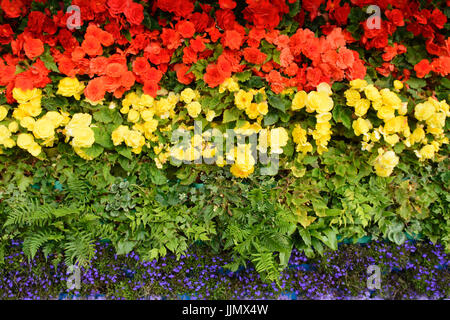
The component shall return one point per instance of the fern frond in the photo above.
(76, 188)
(35, 214)
(32, 243)
(80, 249)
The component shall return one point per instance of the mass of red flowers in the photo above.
(121, 43)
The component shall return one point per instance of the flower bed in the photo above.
(409, 271)
(119, 121)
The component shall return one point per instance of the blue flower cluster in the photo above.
(414, 270)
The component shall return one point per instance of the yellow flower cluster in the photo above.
(29, 103)
(6, 131)
(70, 87)
(190, 97)
(385, 162)
(150, 118)
(26, 142)
(318, 101)
(244, 162)
(141, 111)
(244, 101)
(79, 129)
(132, 138)
(144, 107)
(42, 129)
(230, 85)
(390, 108)
(434, 114)
(300, 138)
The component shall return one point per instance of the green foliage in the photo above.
(309, 205)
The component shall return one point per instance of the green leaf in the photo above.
(277, 103)
(305, 236)
(231, 115)
(23, 182)
(243, 76)
(103, 115)
(54, 103)
(94, 151)
(399, 237)
(102, 137)
(415, 54)
(124, 151)
(331, 240)
(126, 164)
(343, 114)
(48, 60)
(416, 83)
(341, 169)
(270, 118)
(445, 82)
(157, 176)
(125, 246)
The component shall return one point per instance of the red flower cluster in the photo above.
(114, 49)
(423, 23)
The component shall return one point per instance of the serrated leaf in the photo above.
(124, 151)
(104, 115)
(102, 137)
(277, 103)
(48, 61)
(94, 151)
(230, 115)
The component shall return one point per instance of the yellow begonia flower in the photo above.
(299, 100)
(69, 87)
(119, 134)
(385, 162)
(83, 137)
(3, 112)
(324, 87)
(398, 84)
(242, 170)
(243, 99)
(24, 96)
(25, 140)
(210, 115)
(27, 123)
(361, 107)
(386, 112)
(43, 129)
(133, 116)
(361, 126)
(13, 126)
(4, 133)
(194, 109)
(352, 97)
(372, 93)
(358, 84)
(319, 102)
(187, 95)
(278, 139)
(426, 152)
(423, 111)
(396, 124)
(392, 139)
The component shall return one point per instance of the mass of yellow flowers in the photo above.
(428, 118)
(149, 122)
